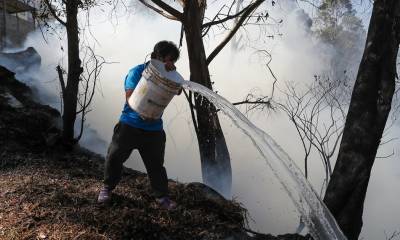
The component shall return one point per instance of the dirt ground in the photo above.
(54, 197)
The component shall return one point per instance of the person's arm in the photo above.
(170, 66)
(128, 93)
(131, 81)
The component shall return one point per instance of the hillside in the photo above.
(47, 192)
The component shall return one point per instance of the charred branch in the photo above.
(164, 9)
(240, 22)
(252, 102)
(227, 18)
(61, 73)
(53, 13)
(189, 98)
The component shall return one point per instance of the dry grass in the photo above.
(53, 196)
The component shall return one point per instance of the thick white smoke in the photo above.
(296, 56)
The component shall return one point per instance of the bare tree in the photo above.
(306, 109)
(366, 119)
(317, 113)
(214, 154)
(66, 14)
(92, 65)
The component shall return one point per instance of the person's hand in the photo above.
(180, 91)
(169, 66)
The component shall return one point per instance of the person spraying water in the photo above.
(149, 88)
(140, 126)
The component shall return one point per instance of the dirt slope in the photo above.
(47, 192)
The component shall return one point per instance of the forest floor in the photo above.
(47, 192)
(52, 195)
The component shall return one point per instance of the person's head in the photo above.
(165, 51)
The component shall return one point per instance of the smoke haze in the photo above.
(296, 56)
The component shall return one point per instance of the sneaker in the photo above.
(166, 203)
(104, 195)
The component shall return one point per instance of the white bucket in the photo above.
(155, 90)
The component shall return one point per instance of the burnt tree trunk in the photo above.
(368, 112)
(214, 155)
(70, 95)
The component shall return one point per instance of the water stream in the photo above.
(315, 214)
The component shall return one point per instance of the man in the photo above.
(133, 132)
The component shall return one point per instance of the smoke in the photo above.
(38, 75)
(296, 55)
(41, 76)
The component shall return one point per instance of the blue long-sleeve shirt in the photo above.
(129, 116)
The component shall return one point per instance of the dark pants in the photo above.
(151, 146)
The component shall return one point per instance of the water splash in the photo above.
(315, 214)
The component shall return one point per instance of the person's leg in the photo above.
(118, 152)
(151, 149)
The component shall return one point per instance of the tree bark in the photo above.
(214, 155)
(70, 95)
(368, 112)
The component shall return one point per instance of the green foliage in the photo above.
(338, 25)
(336, 20)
